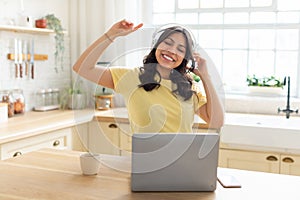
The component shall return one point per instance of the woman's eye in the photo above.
(168, 43)
(181, 50)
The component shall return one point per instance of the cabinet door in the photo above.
(56, 139)
(247, 160)
(125, 138)
(104, 138)
(80, 137)
(290, 164)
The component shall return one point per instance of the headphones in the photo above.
(173, 26)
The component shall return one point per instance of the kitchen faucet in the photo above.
(287, 110)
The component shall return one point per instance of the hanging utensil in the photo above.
(20, 59)
(16, 59)
(25, 51)
(32, 58)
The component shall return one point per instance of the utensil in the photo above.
(25, 51)
(16, 59)
(32, 59)
(20, 59)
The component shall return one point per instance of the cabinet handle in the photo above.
(18, 153)
(56, 143)
(112, 126)
(288, 160)
(272, 158)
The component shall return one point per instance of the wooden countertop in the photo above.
(35, 123)
(55, 174)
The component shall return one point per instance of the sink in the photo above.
(266, 131)
(267, 121)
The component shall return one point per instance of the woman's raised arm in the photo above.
(85, 66)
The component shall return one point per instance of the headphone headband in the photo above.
(160, 30)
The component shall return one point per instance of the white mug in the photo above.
(90, 163)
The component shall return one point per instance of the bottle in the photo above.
(19, 101)
(6, 97)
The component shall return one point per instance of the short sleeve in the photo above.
(199, 100)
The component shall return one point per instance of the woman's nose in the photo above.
(172, 49)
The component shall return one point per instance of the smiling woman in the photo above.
(159, 95)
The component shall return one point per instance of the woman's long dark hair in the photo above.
(150, 77)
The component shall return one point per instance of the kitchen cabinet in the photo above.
(80, 137)
(109, 138)
(59, 139)
(290, 164)
(260, 161)
(104, 138)
(125, 138)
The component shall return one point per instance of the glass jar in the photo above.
(55, 96)
(6, 97)
(40, 99)
(48, 97)
(19, 101)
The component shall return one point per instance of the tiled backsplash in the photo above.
(45, 74)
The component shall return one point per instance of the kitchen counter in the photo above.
(121, 115)
(35, 123)
(56, 174)
(275, 133)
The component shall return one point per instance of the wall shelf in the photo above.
(11, 56)
(22, 29)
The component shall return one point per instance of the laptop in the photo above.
(174, 162)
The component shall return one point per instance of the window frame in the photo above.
(276, 26)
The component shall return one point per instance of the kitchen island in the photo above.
(55, 174)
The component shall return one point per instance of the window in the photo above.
(242, 37)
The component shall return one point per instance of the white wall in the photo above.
(45, 75)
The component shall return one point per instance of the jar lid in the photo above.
(55, 90)
(49, 90)
(17, 90)
(41, 91)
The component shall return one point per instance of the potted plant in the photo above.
(270, 84)
(73, 98)
(55, 24)
(76, 99)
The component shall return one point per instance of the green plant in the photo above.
(271, 81)
(55, 24)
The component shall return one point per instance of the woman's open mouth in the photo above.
(168, 58)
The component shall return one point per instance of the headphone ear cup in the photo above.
(193, 65)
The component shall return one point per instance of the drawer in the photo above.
(58, 139)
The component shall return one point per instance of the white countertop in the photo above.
(261, 132)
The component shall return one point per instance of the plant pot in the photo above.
(76, 101)
(265, 90)
(41, 23)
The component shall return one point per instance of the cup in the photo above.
(90, 163)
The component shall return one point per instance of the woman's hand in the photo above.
(201, 67)
(122, 28)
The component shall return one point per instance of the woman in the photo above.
(158, 95)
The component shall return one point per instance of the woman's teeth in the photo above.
(168, 58)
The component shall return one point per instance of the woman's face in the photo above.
(171, 51)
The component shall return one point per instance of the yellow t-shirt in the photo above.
(155, 111)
